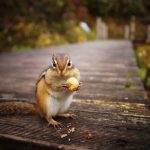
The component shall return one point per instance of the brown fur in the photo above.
(16, 107)
(61, 62)
(41, 96)
(52, 80)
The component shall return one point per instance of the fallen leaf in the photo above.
(71, 130)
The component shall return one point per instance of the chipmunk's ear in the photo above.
(54, 62)
(68, 56)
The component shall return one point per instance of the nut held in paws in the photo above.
(73, 84)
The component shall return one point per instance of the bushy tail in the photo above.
(8, 107)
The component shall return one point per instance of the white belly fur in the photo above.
(59, 102)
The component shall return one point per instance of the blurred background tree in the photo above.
(29, 24)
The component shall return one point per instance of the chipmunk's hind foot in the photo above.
(53, 123)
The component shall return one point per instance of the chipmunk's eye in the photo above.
(69, 63)
(54, 63)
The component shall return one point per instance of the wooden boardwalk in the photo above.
(111, 105)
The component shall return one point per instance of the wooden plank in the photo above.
(111, 105)
(117, 125)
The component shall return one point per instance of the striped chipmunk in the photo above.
(54, 92)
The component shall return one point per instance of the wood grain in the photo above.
(111, 105)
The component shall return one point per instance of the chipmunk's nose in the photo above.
(62, 70)
(62, 73)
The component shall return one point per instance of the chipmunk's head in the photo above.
(61, 65)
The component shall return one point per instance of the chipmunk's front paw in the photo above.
(55, 124)
(65, 86)
(78, 88)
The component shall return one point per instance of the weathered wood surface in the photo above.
(111, 103)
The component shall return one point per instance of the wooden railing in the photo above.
(134, 29)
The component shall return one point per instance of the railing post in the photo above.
(98, 28)
(101, 29)
(126, 32)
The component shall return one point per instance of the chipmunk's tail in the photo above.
(15, 106)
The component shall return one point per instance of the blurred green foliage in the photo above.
(28, 23)
(143, 58)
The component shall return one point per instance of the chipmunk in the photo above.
(52, 91)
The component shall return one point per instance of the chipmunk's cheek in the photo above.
(66, 74)
(54, 74)
(58, 72)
